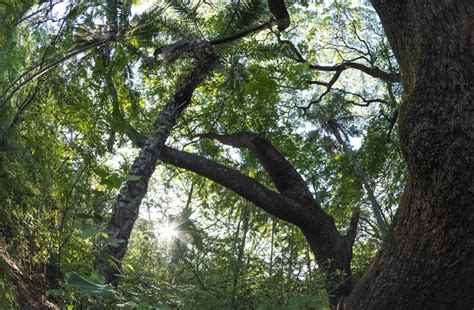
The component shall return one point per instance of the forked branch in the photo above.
(285, 177)
(247, 187)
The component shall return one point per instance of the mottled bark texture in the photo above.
(427, 259)
(126, 207)
(293, 202)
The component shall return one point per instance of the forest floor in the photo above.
(27, 291)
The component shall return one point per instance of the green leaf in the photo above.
(112, 181)
(143, 305)
(131, 177)
(88, 230)
(102, 173)
(113, 242)
(91, 289)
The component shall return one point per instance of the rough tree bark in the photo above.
(427, 259)
(293, 203)
(126, 207)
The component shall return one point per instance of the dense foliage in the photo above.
(79, 81)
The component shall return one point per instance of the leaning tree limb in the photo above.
(246, 187)
(126, 208)
(285, 177)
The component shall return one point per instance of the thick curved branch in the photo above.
(242, 185)
(330, 248)
(285, 177)
(372, 71)
(279, 10)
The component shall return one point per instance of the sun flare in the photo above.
(167, 232)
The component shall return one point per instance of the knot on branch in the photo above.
(168, 54)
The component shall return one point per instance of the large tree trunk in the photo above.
(427, 260)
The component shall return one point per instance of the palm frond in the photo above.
(187, 10)
(240, 15)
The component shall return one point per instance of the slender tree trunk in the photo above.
(272, 245)
(126, 208)
(245, 218)
(308, 261)
(377, 212)
(289, 271)
(427, 259)
(230, 268)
